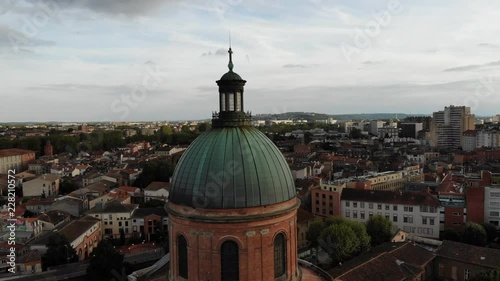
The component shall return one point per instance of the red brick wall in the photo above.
(475, 204)
(255, 240)
(155, 220)
(86, 241)
(27, 159)
(451, 221)
(319, 203)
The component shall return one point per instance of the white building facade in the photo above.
(416, 213)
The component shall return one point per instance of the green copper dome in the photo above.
(230, 75)
(231, 167)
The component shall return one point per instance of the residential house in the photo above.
(45, 185)
(52, 219)
(115, 217)
(150, 223)
(39, 205)
(157, 190)
(72, 205)
(83, 235)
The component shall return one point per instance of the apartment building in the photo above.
(449, 124)
(15, 159)
(325, 199)
(416, 213)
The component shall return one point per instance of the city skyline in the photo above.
(123, 61)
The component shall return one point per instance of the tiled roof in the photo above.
(76, 228)
(14, 152)
(53, 217)
(391, 197)
(389, 261)
(143, 212)
(157, 185)
(303, 215)
(471, 254)
(113, 207)
(128, 188)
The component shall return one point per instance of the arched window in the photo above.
(279, 255)
(182, 256)
(229, 261)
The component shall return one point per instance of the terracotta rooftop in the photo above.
(78, 227)
(390, 197)
(128, 188)
(387, 262)
(14, 152)
(486, 257)
(53, 217)
(157, 185)
(303, 215)
(413, 256)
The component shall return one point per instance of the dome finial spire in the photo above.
(230, 65)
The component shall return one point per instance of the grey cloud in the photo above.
(18, 41)
(403, 97)
(473, 66)
(218, 52)
(294, 66)
(119, 7)
(113, 90)
(488, 45)
(369, 62)
(110, 7)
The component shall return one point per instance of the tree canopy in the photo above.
(59, 251)
(489, 275)
(474, 234)
(379, 229)
(342, 239)
(314, 232)
(156, 170)
(105, 262)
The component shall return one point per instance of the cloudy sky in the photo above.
(86, 60)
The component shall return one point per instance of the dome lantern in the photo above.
(231, 106)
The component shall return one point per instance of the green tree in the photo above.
(362, 234)
(105, 262)
(340, 241)
(157, 170)
(122, 237)
(489, 275)
(203, 127)
(314, 232)
(450, 234)
(59, 251)
(355, 133)
(379, 229)
(491, 231)
(358, 228)
(474, 234)
(66, 187)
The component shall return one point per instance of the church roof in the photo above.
(232, 167)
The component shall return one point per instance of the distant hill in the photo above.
(312, 116)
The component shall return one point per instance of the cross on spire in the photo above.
(230, 65)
